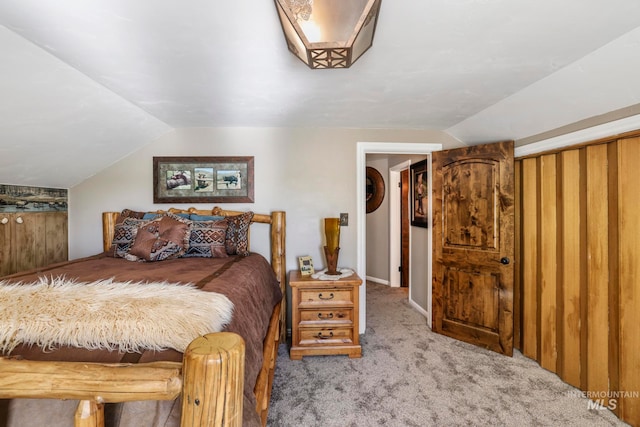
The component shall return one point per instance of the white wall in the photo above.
(421, 254)
(378, 229)
(309, 173)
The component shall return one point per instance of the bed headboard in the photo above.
(276, 220)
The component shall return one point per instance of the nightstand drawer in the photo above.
(326, 336)
(328, 315)
(326, 296)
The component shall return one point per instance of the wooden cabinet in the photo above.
(31, 240)
(324, 315)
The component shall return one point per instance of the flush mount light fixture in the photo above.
(328, 33)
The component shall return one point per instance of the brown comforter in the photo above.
(249, 282)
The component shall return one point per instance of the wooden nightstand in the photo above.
(324, 316)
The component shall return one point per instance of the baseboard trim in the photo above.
(419, 309)
(376, 280)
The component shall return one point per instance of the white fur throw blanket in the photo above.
(108, 315)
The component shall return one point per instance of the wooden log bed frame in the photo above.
(210, 377)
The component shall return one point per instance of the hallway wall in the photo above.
(378, 228)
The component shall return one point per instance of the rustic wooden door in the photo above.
(473, 237)
(32, 239)
(7, 255)
(29, 240)
(56, 239)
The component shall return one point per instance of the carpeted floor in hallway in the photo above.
(409, 376)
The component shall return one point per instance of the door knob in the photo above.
(505, 260)
(4, 220)
(19, 220)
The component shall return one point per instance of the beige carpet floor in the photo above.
(409, 376)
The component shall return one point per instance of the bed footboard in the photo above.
(210, 379)
(264, 382)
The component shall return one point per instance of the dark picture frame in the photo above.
(203, 179)
(419, 194)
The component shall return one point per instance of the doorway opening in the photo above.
(396, 239)
(364, 148)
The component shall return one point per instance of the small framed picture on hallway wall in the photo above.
(419, 194)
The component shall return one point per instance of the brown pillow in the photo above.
(237, 238)
(183, 220)
(161, 239)
(207, 239)
(124, 234)
(120, 245)
(128, 213)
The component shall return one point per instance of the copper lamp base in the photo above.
(332, 261)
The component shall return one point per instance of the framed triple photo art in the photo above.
(419, 194)
(203, 180)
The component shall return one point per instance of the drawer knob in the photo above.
(326, 298)
(4, 220)
(324, 337)
(328, 316)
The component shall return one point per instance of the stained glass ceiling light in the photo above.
(328, 33)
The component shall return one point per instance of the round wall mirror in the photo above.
(374, 190)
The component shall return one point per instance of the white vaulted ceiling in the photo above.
(84, 83)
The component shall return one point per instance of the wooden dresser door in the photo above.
(31, 240)
(7, 258)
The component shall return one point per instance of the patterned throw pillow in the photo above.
(121, 246)
(207, 239)
(163, 238)
(237, 239)
(124, 234)
(154, 215)
(128, 213)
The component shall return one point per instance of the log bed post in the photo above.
(213, 380)
(279, 264)
(89, 414)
